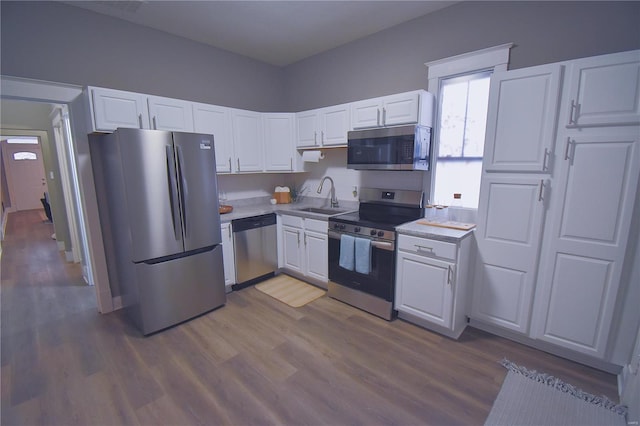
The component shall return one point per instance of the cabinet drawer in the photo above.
(316, 225)
(427, 247)
(292, 221)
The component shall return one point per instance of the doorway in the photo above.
(25, 173)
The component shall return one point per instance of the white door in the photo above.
(521, 119)
(216, 121)
(510, 221)
(248, 140)
(586, 243)
(307, 123)
(400, 109)
(316, 248)
(279, 141)
(170, 114)
(335, 125)
(425, 288)
(605, 90)
(292, 248)
(25, 175)
(116, 108)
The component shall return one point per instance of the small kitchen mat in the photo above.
(291, 291)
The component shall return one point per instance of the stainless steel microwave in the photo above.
(389, 148)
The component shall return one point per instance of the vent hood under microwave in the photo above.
(389, 148)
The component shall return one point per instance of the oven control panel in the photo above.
(363, 231)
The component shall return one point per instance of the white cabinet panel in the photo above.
(248, 138)
(316, 251)
(400, 109)
(291, 250)
(335, 125)
(605, 90)
(403, 108)
(305, 247)
(308, 124)
(510, 221)
(279, 141)
(521, 119)
(170, 114)
(366, 114)
(228, 256)
(215, 120)
(117, 108)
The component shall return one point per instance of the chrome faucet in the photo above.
(334, 200)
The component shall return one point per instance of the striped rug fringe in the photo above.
(601, 401)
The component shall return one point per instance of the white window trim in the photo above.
(496, 58)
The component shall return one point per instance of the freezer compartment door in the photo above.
(152, 204)
(177, 290)
(196, 166)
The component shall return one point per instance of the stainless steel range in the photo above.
(362, 256)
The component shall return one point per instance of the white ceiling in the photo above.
(275, 32)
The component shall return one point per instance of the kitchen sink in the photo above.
(319, 210)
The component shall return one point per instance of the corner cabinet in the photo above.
(228, 256)
(304, 251)
(432, 281)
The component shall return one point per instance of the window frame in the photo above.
(493, 59)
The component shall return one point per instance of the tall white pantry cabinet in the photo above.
(559, 182)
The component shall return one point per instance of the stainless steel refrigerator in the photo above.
(158, 203)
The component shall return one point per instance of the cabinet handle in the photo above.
(238, 160)
(322, 136)
(229, 164)
(155, 123)
(377, 117)
(305, 238)
(572, 111)
(291, 163)
(566, 148)
(384, 116)
(545, 160)
(541, 190)
(229, 229)
(315, 137)
(449, 274)
(140, 120)
(298, 234)
(419, 248)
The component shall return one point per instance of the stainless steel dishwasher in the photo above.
(255, 249)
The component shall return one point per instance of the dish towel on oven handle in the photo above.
(347, 252)
(363, 255)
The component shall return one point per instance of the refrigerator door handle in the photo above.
(173, 191)
(184, 190)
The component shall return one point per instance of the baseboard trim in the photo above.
(117, 303)
(60, 245)
(69, 256)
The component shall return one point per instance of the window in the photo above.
(461, 87)
(24, 140)
(25, 155)
(462, 121)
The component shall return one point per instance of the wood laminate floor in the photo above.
(255, 361)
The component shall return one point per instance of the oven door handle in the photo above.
(383, 245)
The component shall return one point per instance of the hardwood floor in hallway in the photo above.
(255, 361)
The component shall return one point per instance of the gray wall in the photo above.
(392, 61)
(56, 42)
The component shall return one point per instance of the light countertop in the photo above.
(434, 232)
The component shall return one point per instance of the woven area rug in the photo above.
(531, 398)
(289, 290)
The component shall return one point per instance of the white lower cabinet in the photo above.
(228, 256)
(431, 283)
(304, 249)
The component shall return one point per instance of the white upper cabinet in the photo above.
(248, 138)
(521, 119)
(323, 127)
(588, 233)
(404, 108)
(170, 114)
(116, 108)
(216, 120)
(279, 142)
(605, 90)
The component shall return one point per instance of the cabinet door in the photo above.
(279, 141)
(605, 90)
(366, 114)
(308, 126)
(316, 255)
(215, 120)
(115, 108)
(227, 255)
(400, 109)
(510, 223)
(585, 246)
(292, 250)
(335, 125)
(425, 288)
(170, 114)
(248, 140)
(521, 119)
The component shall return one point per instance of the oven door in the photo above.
(380, 280)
